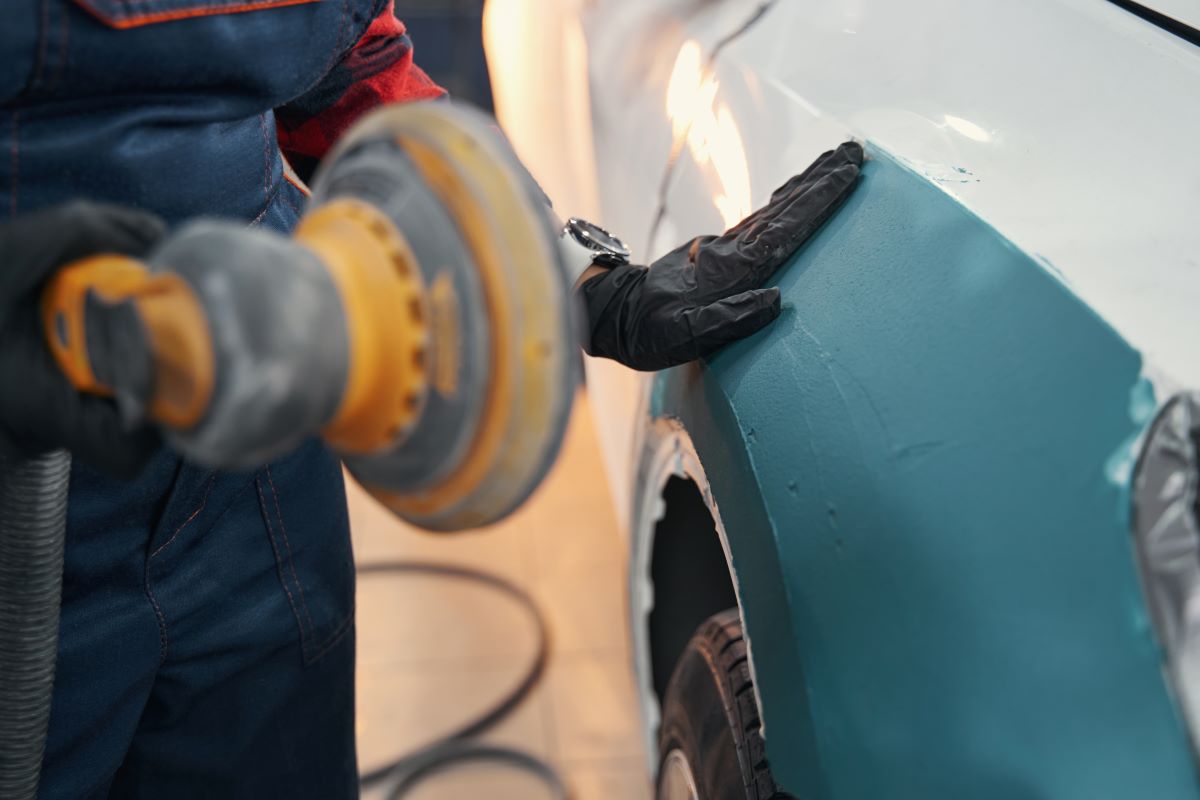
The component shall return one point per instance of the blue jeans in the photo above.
(207, 641)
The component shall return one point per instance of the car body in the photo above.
(928, 486)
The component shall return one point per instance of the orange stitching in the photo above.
(187, 13)
(188, 521)
(282, 192)
(304, 190)
(291, 563)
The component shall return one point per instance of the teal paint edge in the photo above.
(797, 650)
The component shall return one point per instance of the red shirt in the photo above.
(378, 70)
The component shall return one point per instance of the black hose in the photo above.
(33, 514)
(33, 518)
(451, 755)
(457, 747)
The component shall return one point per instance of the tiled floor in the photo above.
(432, 652)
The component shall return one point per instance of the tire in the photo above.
(710, 743)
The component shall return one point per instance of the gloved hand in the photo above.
(706, 293)
(39, 409)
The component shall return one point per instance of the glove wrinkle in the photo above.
(705, 293)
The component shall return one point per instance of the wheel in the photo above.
(710, 743)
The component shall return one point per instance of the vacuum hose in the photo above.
(33, 519)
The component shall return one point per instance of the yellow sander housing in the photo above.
(420, 320)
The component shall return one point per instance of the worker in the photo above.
(207, 627)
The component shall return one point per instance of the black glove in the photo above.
(706, 293)
(39, 409)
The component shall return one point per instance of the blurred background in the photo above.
(433, 653)
(448, 36)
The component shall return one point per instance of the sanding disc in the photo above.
(501, 360)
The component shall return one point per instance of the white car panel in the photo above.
(1063, 124)
(1071, 126)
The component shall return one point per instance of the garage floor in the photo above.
(431, 654)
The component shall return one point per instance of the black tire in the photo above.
(711, 719)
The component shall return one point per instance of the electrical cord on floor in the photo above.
(460, 746)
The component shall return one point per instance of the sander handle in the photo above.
(118, 329)
(239, 342)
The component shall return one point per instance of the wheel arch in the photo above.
(676, 581)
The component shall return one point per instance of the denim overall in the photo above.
(207, 639)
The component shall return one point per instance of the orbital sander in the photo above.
(420, 320)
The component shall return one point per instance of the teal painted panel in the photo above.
(920, 467)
